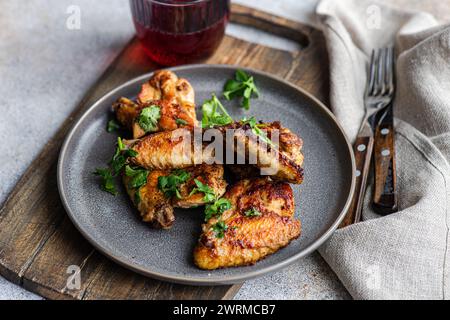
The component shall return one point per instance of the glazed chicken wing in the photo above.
(151, 203)
(259, 222)
(173, 149)
(290, 146)
(156, 207)
(210, 175)
(171, 116)
(165, 85)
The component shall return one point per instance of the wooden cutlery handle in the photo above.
(363, 153)
(385, 196)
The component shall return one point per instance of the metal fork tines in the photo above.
(380, 85)
(379, 93)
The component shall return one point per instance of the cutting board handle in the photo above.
(273, 24)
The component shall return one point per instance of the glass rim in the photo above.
(182, 4)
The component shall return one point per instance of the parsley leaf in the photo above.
(220, 228)
(253, 212)
(210, 196)
(243, 86)
(138, 179)
(148, 119)
(107, 180)
(217, 208)
(120, 157)
(181, 122)
(113, 125)
(169, 184)
(137, 196)
(118, 161)
(212, 115)
(138, 176)
(256, 129)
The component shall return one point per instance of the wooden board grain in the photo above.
(38, 243)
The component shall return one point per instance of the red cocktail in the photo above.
(176, 32)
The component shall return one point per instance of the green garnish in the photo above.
(113, 125)
(217, 208)
(243, 86)
(118, 161)
(169, 184)
(219, 228)
(107, 180)
(180, 121)
(256, 129)
(137, 196)
(148, 119)
(212, 115)
(120, 157)
(138, 176)
(201, 187)
(253, 212)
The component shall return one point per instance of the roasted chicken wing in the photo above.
(156, 207)
(259, 222)
(174, 149)
(165, 85)
(171, 116)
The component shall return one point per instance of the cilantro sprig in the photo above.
(138, 179)
(243, 85)
(252, 212)
(113, 125)
(209, 195)
(169, 184)
(257, 129)
(180, 122)
(214, 113)
(219, 228)
(149, 117)
(107, 180)
(118, 161)
(217, 208)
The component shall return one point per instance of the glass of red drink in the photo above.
(175, 32)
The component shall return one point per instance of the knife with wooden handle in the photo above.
(385, 196)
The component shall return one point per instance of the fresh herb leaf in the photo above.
(148, 119)
(107, 180)
(253, 212)
(181, 122)
(243, 86)
(118, 161)
(217, 208)
(113, 125)
(138, 176)
(219, 228)
(241, 75)
(257, 130)
(210, 196)
(120, 157)
(169, 184)
(214, 113)
(137, 196)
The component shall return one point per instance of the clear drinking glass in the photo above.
(175, 32)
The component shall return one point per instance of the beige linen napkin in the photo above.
(404, 255)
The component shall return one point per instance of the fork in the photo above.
(379, 93)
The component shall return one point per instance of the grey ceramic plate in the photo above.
(112, 225)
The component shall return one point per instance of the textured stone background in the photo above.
(45, 69)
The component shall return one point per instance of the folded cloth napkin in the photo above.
(404, 255)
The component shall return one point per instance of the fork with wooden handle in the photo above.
(379, 93)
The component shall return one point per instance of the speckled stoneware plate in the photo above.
(112, 225)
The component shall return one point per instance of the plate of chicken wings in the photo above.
(206, 174)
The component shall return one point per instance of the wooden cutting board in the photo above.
(38, 243)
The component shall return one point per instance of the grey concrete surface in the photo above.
(46, 68)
